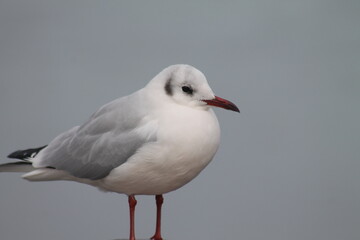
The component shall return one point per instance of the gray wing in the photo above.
(104, 142)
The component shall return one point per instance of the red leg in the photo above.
(159, 202)
(132, 204)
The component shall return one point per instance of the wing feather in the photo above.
(107, 140)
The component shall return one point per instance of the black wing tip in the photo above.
(25, 154)
(14, 154)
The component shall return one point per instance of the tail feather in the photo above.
(16, 167)
(21, 166)
(26, 154)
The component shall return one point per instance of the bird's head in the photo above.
(188, 86)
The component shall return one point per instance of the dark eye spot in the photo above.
(187, 90)
(168, 88)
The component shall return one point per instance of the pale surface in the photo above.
(288, 164)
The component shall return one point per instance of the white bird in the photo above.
(148, 143)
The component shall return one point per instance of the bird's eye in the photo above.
(187, 90)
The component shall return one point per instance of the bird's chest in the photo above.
(183, 148)
(191, 144)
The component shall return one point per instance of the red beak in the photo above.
(222, 103)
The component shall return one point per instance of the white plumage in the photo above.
(150, 142)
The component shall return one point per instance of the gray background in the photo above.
(288, 167)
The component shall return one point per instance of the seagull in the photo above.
(150, 142)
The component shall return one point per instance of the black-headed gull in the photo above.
(148, 143)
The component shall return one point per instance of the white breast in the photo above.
(186, 143)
